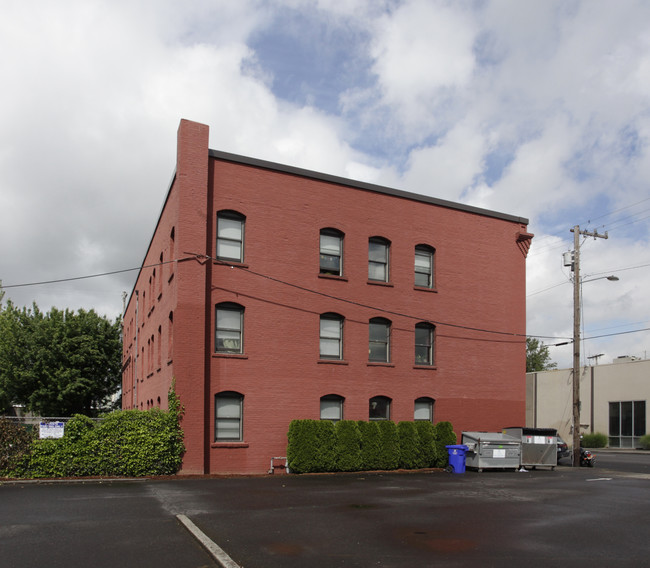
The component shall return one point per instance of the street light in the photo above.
(577, 288)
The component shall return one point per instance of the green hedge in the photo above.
(445, 436)
(595, 440)
(130, 443)
(321, 445)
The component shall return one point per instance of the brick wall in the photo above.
(477, 381)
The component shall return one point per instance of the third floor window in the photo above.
(230, 235)
(378, 257)
(331, 252)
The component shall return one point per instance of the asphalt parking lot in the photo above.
(577, 516)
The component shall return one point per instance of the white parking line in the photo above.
(217, 552)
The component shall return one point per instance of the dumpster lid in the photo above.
(498, 437)
(530, 431)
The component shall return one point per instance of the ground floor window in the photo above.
(228, 417)
(627, 423)
(331, 407)
(379, 408)
(423, 409)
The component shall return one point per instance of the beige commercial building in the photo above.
(613, 400)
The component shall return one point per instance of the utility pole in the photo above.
(576, 336)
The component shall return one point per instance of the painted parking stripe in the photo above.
(217, 552)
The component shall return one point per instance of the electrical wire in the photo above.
(359, 304)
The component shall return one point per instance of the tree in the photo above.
(537, 356)
(58, 363)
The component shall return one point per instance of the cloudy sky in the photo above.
(536, 108)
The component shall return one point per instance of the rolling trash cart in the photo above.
(538, 446)
(456, 458)
(491, 450)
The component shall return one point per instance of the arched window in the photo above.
(331, 252)
(423, 409)
(378, 259)
(424, 336)
(170, 337)
(229, 333)
(424, 256)
(379, 340)
(230, 235)
(331, 407)
(331, 336)
(172, 251)
(228, 414)
(379, 408)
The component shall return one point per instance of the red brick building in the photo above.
(271, 293)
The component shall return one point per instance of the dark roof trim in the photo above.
(291, 170)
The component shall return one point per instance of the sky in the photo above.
(534, 108)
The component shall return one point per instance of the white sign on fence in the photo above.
(51, 429)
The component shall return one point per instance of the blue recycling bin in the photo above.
(457, 457)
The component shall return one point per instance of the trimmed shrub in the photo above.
(644, 442)
(322, 445)
(302, 448)
(445, 436)
(348, 445)
(410, 454)
(370, 445)
(427, 437)
(389, 450)
(326, 445)
(595, 440)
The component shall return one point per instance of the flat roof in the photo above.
(301, 172)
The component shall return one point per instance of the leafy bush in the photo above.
(15, 447)
(644, 442)
(126, 443)
(348, 445)
(596, 440)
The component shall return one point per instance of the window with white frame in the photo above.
(424, 334)
(379, 408)
(331, 252)
(379, 340)
(228, 414)
(423, 409)
(230, 235)
(331, 407)
(229, 328)
(424, 266)
(331, 336)
(378, 259)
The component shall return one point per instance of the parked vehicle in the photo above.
(587, 459)
(562, 449)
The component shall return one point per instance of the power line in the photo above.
(73, 278)
(457, 326)
(359, 304)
